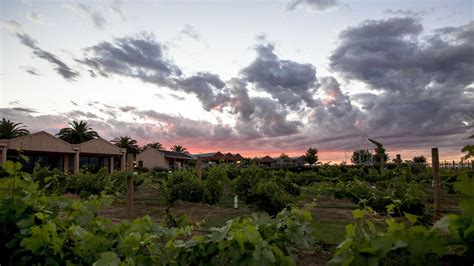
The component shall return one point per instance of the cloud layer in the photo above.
(419, 91)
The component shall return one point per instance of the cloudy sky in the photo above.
(255, 77)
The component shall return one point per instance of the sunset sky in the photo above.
(255, 77)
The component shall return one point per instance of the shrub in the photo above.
(264, 190)
(182, 185)
(214, 184)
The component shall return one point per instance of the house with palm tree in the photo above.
(48, 150)
(74, 147)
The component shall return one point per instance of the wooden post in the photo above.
(199, 168)
(472, 164)
(399, 160)
(130, 187)
(454, 164)
(437, 191)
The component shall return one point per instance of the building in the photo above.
(210, 158)
(47, 150)
(218, 157)
(266, 161)
(151, 158)
(298, 161)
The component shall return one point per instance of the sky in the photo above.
(254, 77)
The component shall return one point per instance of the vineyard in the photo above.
(329, 214)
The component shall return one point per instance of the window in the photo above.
(140, 164)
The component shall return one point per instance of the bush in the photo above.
(265, 190)
(214, 184)
(182, 185)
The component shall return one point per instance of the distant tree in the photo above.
(284, 159)
(419, 159)
(78, 132)
(379, 152)
(127, 143)
(10, 130)
(469, 149)
(179, 148)
(154, 145)
(311, 156)
(361, 157)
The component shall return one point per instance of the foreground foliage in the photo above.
(39, 229)
(407, 242)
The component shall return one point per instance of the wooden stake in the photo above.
(436, 182)
(399, 160)
(199, 168)
(130, 187)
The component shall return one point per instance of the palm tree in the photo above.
(78, 132)
(128, 143)
(154, 145)
(9, 130)
(179, 148)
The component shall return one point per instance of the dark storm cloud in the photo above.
(61, 68)
(423, 81)
(207, 87)
(291, 83)
(259, 116)
(387, 55)
(143, 58)
(139, 57)
(317, 5)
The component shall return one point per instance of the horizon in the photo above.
(252, 77)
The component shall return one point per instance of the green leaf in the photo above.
(412, 218)
(371, 225)
(358, 214)
(107, 259)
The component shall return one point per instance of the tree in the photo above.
(311, 156)
(284, 159)
(154, 145)
(362, 157)
(419, 159)
(127, 143)
(379, 153)
(78, 132)
(10, 130)
(179, 148)
(469, 149)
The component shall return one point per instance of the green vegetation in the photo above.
(37, 229)
(407, 242)
(393, 212)
(128, 143)
(179, 148)
(80, 131)
(10, 130)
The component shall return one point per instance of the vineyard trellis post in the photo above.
(436, 181)
(399, 160)
(199, 168)
(130, 187)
